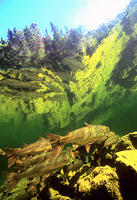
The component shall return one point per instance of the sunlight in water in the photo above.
(97, 12)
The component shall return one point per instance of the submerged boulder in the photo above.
(127, 159)
(126, 166)
(103, 181)
(127, 142)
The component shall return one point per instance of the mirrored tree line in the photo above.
(30, 48)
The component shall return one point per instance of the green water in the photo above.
(120, 117)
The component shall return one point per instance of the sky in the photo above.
(71, 13)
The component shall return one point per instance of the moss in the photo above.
(1, 77)
(54, 195)
(128, 158)
(19, 192)
(92, 80)
(101, 177)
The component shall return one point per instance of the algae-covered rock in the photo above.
(128, 159)
(127, 142)
(81, 180)
(55, 195)
(18, 193)
(126, 166)
(102, 180)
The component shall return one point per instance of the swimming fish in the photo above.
(90, 134)
(41, 145)
(2, 153)
(49, 166)
(36, 159)
(112, 138)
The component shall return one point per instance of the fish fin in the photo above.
(2, 153)
(11, 180)
(19, 162)
(72, 153)
(57, 150)
(11, 155)
(87, 146)
(75, 146)
(41, 138)
(10, 151)
(11, 161)
(86, 124)
(53, 137)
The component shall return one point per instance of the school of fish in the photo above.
(46, 156)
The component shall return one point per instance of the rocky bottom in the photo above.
(110, 175)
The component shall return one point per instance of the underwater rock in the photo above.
(54, 195)
(18, 85)
(11, 74)
(127, 159)
(127, 142)
(102, 181)
(83, 179)
(18, 193)
(126, 167)
(28, 75)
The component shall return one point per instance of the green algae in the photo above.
(101, 91)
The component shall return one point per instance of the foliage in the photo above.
(29, 48)
(62, 45)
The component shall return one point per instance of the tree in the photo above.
(63, 44)
(9, 35)
(35, 43)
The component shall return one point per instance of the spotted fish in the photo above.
(85, 136)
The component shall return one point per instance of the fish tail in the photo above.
(11, 180)
(11, 161)
(10, 150)
(11, 155)
(56, 144)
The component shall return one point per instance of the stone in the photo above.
(102, 180)
(127, 142)
(54, 195)
(126, 167)
(128, 158)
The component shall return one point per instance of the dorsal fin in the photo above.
(41, 138)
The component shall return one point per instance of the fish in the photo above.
(2, 153)
(85, 136)
(34, 148)
(112, 139)
(47, 167)
(36, 159)
(33, 160)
